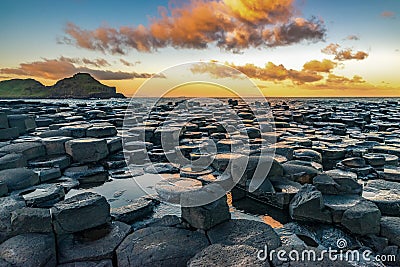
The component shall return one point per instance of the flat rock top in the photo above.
(85, 140)
(341, 202)
(80, 200)
(29, 250)
(160, 246)
(224, 255)
(19, 147)
(252, 233)
(18, 178)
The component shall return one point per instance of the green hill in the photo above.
(23, 88)
(81, 85)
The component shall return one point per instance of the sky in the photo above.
(287, 48)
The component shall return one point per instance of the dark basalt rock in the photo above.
(142, 248)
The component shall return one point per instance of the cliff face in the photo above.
(81, 85)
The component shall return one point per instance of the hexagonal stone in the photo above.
(30, 150)
(9, 133)
(55, 145)
(160, 246)
(24, 123)
(91, 209)
(92, 245)
(308, 155)
(385, 194)
(18, 178)
(338, 204)
(137, 210)
(245, 232)
(114, 144)
(56, 161)
(300, 173)
(207, 216)
(3, 120)
(31, 220)
(45, 195)
(8, 205)
(390, 228)
(308, 205)
(76, 131)
(101, 130)
(171, 189)
(362, 219)
(29, 250)
(86, 150)
(392, 173)
(224, 255)
(10, 161)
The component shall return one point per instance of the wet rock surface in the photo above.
(76, 170)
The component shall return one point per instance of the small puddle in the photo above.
(121, 192)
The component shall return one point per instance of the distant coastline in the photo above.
(79, 86)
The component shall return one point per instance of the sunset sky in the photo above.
(288, 48)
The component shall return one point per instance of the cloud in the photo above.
(325, 65)
(315, 74)
(388, 14)
(343, 54)
(335, 79)
(129, 64)
(270, 72)
(55, 69)
(352, 38)
(216, 70)
(232, 25)
(98, 62)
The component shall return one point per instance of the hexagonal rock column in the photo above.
(18, 178)
(142, 247)
(29, 250)
(390, 228)
(30, 150)
(86, 150)
(55, 145)
(308, 205)
(244, 232)
(207, 216)
(101, 130)
(363, 218)
(24, 123)
(80, 212)
(224, 255)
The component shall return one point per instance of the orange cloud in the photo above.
(229, 24)
(325, 65)
(387, 14)
(55, 69)
(270, 72)
(352, 38)
(335, 79)
(344, 54)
